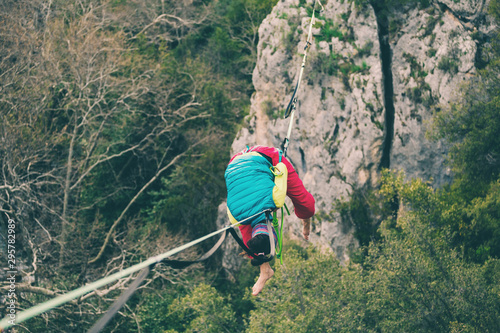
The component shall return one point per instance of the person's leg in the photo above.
(246, 233)
(266, 272)
(259, 243)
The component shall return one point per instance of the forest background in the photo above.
(117, 118)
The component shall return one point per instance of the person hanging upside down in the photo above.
(257, 180)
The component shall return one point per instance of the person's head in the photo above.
(259, 243)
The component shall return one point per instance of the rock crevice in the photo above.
(388, 88)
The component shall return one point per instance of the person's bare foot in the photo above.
(266, 272)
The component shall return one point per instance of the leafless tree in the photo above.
(77, 101)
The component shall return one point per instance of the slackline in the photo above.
(65, 298)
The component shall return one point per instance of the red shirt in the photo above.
(303, 201)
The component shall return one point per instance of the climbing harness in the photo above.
(279, 232)
(290, 110)
(257, 259)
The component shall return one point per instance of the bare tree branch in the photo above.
(115, 224)
(87, 120)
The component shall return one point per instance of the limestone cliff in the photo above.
(369, 85)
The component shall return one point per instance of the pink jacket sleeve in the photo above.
(303, 201)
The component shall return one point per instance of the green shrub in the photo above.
(448, 65)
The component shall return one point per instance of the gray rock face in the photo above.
(432, 55)
(339, 131)
(466, 10)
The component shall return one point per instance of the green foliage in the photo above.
(447, 64)
(362, 210)
(422, 93)
(292, 36)
(431, 52)
(177, 308)
(431, 24)
(416, 70)
(475, 222)
(203, 309)
(300, 297)
(335, 64)
(494, 9)
(471, 125)
(366, 49)
(154, 315)
(327, 63)
(484, 228)
(328, 31)
(235, 289)
(270, 110)
(411, 279)
(342, 103)
(440, 275)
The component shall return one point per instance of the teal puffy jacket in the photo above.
(249, 183)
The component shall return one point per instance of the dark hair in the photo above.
(259, 243)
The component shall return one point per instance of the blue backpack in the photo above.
(254, 187)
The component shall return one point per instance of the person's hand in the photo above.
(306, 228)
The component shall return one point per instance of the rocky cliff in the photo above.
(369, 86)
